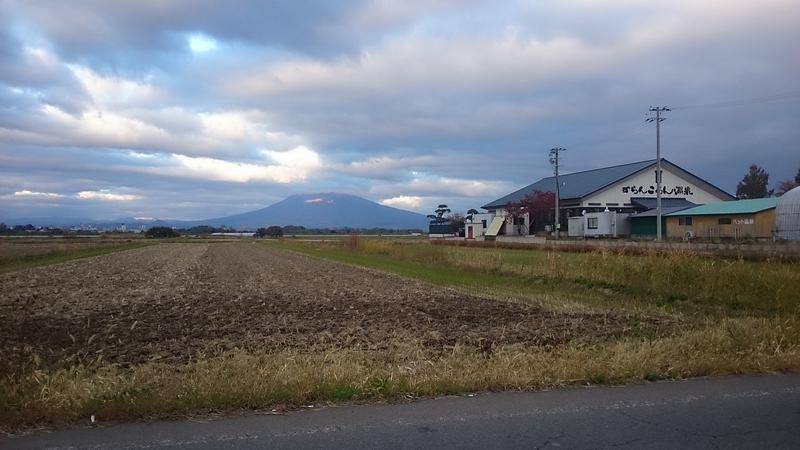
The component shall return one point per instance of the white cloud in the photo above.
(403, 201)
(291, 166)
(110, 91)
(33, 194)
(299, 157)
(104, 194)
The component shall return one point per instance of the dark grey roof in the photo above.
(667, 202)
(664, 210)
(580, 184)
(575, 185)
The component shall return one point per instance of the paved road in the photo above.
(732, 412)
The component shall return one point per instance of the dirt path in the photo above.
(170, 301)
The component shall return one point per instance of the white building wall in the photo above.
(510, 228)
(675, 185)
(609, 224)
(478, 229)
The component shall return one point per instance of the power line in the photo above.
(631, 130)
(743, 101)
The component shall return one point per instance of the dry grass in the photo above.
(21, 253)
(678, 280)
(252, 380)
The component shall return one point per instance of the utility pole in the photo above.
(554, 155)
(658, 119)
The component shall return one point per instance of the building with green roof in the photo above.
(740, 219)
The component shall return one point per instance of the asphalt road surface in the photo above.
(731, 412)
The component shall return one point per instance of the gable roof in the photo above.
(581, 184)
(736, 207)
(666, 202)
(654, 212)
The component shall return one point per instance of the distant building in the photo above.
(624, 189)
(737, 220)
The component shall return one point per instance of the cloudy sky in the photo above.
(196, 109)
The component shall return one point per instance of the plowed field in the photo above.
(169, 302)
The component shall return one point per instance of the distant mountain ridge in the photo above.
(322, 210)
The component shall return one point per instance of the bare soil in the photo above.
(172, 301)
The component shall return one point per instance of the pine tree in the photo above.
(754, 184)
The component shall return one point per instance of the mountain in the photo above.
(327, 210)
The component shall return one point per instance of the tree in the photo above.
(539, 205)
(471, 214)
(202, 229)
(161, 233)
(440, 211)
(754, 184)
(271, 231)
(456, 222)
(788, 185)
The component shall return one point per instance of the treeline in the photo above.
(19, 230)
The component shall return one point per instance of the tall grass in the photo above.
(676, 280)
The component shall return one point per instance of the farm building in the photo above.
(625, 189)
(787, 220)
(478, 226)
(738, 219)
(643, 224)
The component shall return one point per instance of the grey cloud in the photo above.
(37, 70)
(86, 29)
(455, 91)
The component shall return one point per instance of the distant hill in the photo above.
(327, 210)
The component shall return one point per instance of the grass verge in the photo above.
(62, 255)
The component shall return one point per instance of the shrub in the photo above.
(161, 233)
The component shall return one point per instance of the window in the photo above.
(591, 223)
(519, 221)
(724, 221)
(483, 223)
(687, 220)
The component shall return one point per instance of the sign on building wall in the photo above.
(642, 185)
(665, 190)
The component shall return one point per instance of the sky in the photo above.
(192, 109)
